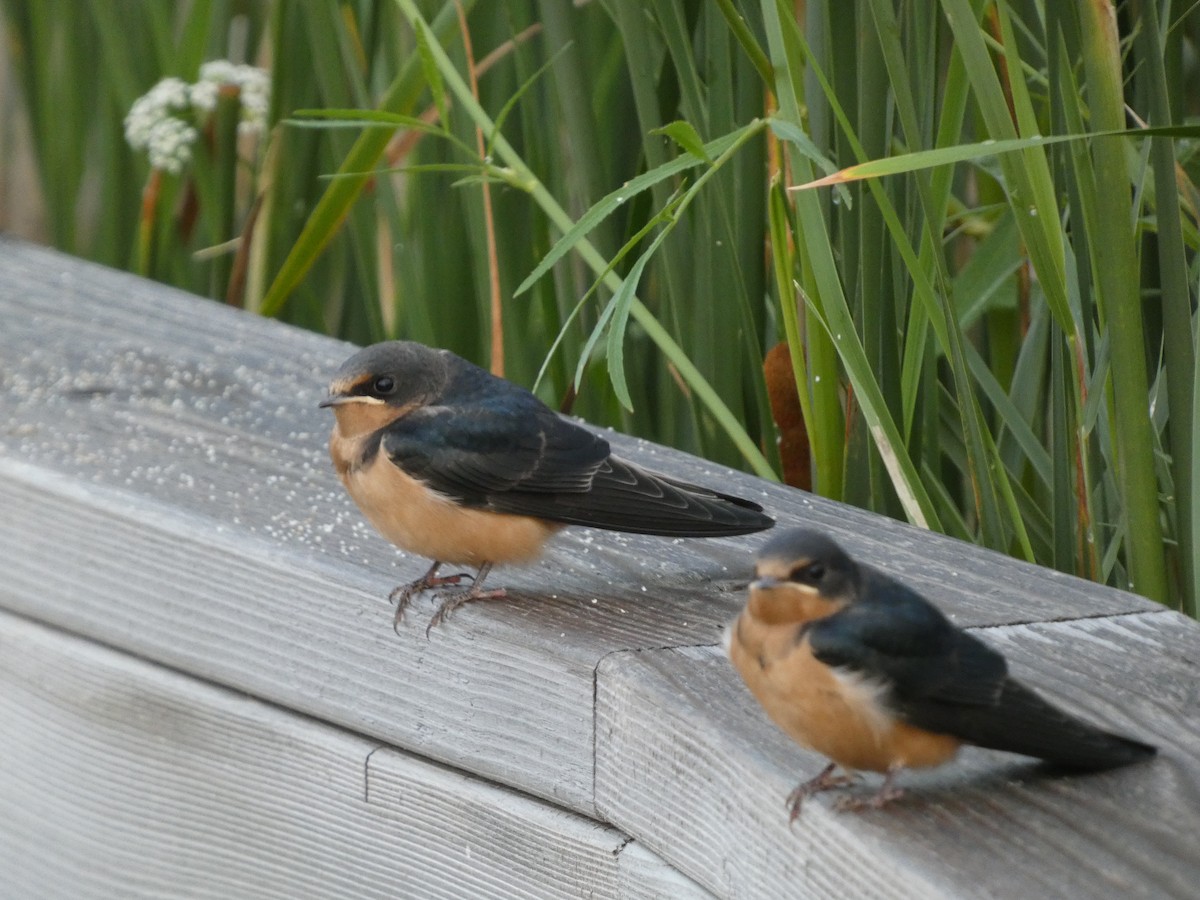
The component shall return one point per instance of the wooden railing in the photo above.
(201, 692)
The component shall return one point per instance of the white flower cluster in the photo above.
(152, 125)
(254, 91)
(160, 121)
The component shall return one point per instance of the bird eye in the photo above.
(384, 384)
(808, 573)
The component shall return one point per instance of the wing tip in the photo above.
(1113, 752)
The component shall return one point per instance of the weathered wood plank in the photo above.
(181, 459)
(165, 490)
(230, 611)
(688, 762)
(122, 778)
(128, 383)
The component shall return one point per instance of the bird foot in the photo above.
(825, 781)
(886, 794)
(878, 800)
(454, 599)
(404, 594)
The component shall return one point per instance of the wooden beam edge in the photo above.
(679, 739)
(176, 781)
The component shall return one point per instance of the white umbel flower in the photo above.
(161, 121)
(152, 125)
(254, 91)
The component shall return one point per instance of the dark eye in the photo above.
(809, 573)
(384, 384)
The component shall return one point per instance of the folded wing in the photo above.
(945, 680)
(519, 457)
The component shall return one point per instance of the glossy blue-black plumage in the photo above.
(936, 676)
(893, 633)
(489, 444)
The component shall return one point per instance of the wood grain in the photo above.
(689, 763)
(128, 383)
(163, 470)
(125, 779)
(165, 492)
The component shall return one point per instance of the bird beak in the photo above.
(765, 583)
(333, 400)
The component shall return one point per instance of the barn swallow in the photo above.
(455, 464)
(856, 666)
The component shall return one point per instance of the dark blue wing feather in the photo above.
(945, 680)
(497, 447)
(896, 636)
(472, 453)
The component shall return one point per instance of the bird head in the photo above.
(381, 383)
(800, 575)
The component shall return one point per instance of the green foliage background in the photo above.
(998, 345)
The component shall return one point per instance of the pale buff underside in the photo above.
(833, 713)
(417, 519)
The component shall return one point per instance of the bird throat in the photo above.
(358, 418)
(785, 605)
(355, 423)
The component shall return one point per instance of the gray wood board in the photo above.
(689, 763)
(232, 612)
(129, 383)
(165, 489)
(123, 779)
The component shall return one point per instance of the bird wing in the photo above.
(945, 680)
(624, 497)
(473, 454)
(514, 456)
(893, 635)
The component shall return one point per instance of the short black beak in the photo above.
(330, 401)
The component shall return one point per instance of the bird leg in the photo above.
(402, 595)
(886, 794)
(455, 599)
(825, 781)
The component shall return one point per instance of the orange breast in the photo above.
(837, 714)
(418, 520)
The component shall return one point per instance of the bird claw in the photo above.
(403, 595)
(886, 794)
(878, 800)
(824, 781)
(454, 599)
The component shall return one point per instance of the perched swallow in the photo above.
(452, 463)
(858, 667)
